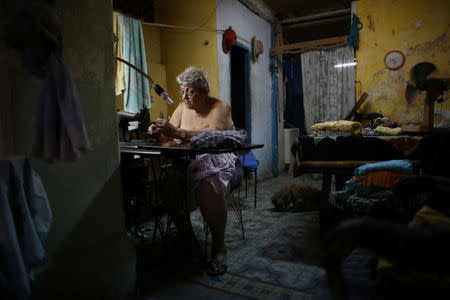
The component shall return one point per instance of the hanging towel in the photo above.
(59, 130)
(118, 52)
(137, 92)
(25, 220)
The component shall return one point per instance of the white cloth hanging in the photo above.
(328, 91)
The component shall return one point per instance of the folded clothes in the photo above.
(332, 134)
(338, 126)
(388, 131)
(400, 165)
(375, 204)
(215, 139)
(381, 179)
(358, 189)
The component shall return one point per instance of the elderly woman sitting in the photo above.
(209, 173)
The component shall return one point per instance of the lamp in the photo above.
(158, 89)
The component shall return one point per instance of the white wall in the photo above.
(246, 24)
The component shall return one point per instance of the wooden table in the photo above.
(342, 155)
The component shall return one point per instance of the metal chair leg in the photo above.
(237, 209)
(206, 231)
(246, 179)
(255, 186)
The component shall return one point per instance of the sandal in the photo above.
(217, 265)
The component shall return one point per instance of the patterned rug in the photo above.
(250, 288)
(275, 261)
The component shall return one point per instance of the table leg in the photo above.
(340, 182)
(324, 205)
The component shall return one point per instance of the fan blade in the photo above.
(411, 92)
(420, 73)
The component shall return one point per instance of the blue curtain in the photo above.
(137, 92)
(293, 95)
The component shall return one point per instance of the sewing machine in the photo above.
(143, 119)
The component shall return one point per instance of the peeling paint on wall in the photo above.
(417, 28)
(419, 24)
(371, 23)
(424, 49)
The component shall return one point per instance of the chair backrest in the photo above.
(250, 160)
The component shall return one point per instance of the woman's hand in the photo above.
(162, 127)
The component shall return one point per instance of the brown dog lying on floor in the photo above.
(297, 197)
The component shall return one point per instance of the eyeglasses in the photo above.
(187, 92)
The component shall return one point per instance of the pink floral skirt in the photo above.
(217, 169)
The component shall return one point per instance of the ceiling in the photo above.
(305, 20)
(301, 20)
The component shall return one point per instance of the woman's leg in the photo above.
(214, 210)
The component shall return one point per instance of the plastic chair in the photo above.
(250, 166)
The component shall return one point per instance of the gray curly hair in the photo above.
(195, 77)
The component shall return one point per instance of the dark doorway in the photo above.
(239, 65)
(294, 115)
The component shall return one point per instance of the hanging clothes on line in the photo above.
(137, 91)
(118, 52)
(59, 132)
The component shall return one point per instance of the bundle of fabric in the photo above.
(383, 130)
(25, 220)
(338, 126)
(214, 139)
(369, 192)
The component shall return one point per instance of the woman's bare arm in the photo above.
(221, 117)
(175, 120)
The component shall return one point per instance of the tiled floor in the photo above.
(169, 278)
(166, 280)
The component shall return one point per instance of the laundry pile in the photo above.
(369, 192)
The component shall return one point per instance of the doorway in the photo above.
(240, 87)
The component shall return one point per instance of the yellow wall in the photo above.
(171, 50)
(417, 28)
(181, 48)
(156, 70)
